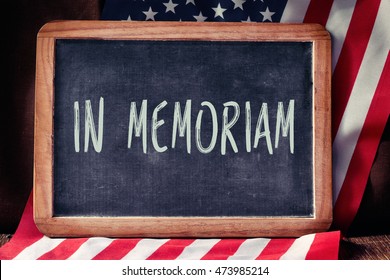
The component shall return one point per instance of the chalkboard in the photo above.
(199, 135)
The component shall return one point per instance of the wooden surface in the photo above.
(184, 31)
(375, 247)
(193, 226)
(4, 238)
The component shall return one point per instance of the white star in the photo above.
(267, 15)
(200, 17)
(248, 20)
(190, 2)
(129, 18)
(170, 6)
(219, 11)
(150, 14)
(238, 4)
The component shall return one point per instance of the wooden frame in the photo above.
(178, 226)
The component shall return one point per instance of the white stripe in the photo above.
(295, 11)
(144, 248)
(197, 249)
(361, 97)
(250, 249)
(338, 23)
(299, 248)
(90, 248)
(39, 248)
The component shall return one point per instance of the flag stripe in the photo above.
(299, 248)
(90, 248)
(354, 185)
(360, 99)
(295, 11)
(250, 249)
(275, 249)
(117, 249)
(318, 11)
(197, 249)
(337, 25)
(104, 248)
(64, 250)
(144, 249)
(223, 249)
(39, 248)
(351, 57)
(324, 247)
(170, 250)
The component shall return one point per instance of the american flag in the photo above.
(29, 244)
(360, 106)
(360, 31)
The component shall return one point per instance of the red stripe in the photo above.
(325, 246)
(318, 11)
(362, 159)
(170, 250)
(26, 234)
(351, 56)
(117, 249)
(275, 249)
(223, 249)
(64, 250)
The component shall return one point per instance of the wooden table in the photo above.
(375, 247)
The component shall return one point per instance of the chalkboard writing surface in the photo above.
(196, 134)
(191, 182)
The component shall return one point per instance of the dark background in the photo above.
(25, 18)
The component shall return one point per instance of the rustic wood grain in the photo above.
(5, 238)
(375, 247)
(225, 31)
